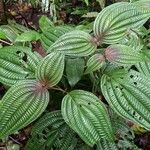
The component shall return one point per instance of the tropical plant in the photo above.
(113, 61)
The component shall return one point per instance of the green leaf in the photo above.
(28, 36)
(144, 67)
(2, 34)
(112, 23)
(122, 55)
(74, 70)
(51, 34)
(50, 69)
(22, 104)
(45, 23)
(94, 63)
(133, 41)
(101, 3)
(9, 32)
(51, 131)
(12, 30)
(87, 116)
(128, 95)
(75, 43)
(87, 2)
(106, 145)
(145, 4)
(17, 63)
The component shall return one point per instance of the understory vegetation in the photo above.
(75, 75)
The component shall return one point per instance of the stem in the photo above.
(14, 140)
(5, 42)
(58, 89)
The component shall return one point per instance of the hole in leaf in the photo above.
(121, 88)
(140, 118)
(18, 52)
(80, 105)
(135, 83)
(131, 76)
(49, 128)
(134, 113)
(89, 103)
(24, 58)
(44, 131)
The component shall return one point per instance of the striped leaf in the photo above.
(145, 4)
(128, 94)
(144, 67)
(51, 34)
(133, 41)
(122, 55)
(54, 132)
(106, 145)
(112, 23)
(17, 63)
(22, 104)
(87, 116)
(94, 63)
(75, 43)
(50, 70)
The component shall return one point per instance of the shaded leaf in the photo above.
(54, 132)
(74, 70)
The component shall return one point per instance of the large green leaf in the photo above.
(74, 70)
(51, 34)
(112, 23)
(17, 63)
(22, 104)
(75, 43)
(50, 70)
(87, 116)
(122, 55)
(128, 94)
